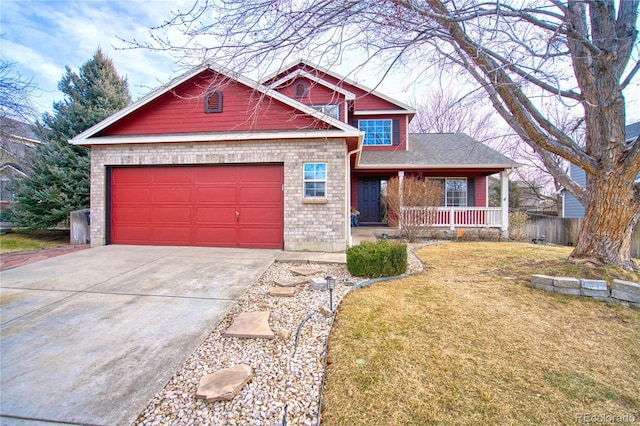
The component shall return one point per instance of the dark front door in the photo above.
(369, 199)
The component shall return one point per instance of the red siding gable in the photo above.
(316, 94)
(365, 101)
(181, 110)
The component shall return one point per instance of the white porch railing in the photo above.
(453, 217)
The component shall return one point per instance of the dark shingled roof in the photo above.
(437, 150)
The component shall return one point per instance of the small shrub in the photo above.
(517, 226)
(379, 259)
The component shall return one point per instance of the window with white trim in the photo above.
(454, 193)
(330, 110)
(377, 132)
(315, 180)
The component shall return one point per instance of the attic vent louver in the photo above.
(213, 101)
(300, 90)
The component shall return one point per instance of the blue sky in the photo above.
(43, 36)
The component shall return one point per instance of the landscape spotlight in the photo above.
(331, 284)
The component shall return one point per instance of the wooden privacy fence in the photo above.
(564, 231)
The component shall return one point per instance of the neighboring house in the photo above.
(216, 159)
(18, 142)
(528, 199)
(571, 207)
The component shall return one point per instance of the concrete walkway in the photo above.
(91, 336)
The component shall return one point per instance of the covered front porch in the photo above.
(476, 214)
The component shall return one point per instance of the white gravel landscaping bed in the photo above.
(285, 385)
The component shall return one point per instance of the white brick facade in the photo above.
(307, 226)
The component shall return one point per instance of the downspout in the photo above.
(347, 198)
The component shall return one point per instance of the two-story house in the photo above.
(571, 207)
(18, 143)
(217, 159)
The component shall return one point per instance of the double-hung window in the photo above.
(377, 132)
(454, 192)
(315, 180)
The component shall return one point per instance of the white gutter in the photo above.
(213, 137)
(347, 198)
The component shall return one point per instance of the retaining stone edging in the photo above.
(623, 292)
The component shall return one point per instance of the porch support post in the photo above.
(504, 204)
(401, 189)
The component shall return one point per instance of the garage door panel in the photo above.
(259, 237)
(226, 215)
(172, 235)
(133, 176)
(215, 175)
(263, 174)
(216, 195)
(258, 215)
(131, 234)
(222, 236)
(131, 195)
(171, 195)
(172, 175)
(196, 205)
(130, 215)
(260, 194)
(171, 215)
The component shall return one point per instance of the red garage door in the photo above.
(217, 206)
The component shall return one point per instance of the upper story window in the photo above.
(300, 90)
(330, 110)
(377, 132)
(315, 180)
(213, 101)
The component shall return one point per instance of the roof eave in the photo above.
(214, 137)
(437, 166)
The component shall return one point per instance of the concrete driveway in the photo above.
(90, 337)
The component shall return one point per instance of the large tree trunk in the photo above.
(609, 222)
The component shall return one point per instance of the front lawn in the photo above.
(24, 240)
(468, 342)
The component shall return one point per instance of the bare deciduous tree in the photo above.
(446, 111)
(15, 94)
(411, 191)
(524, 54)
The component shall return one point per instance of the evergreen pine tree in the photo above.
(59, 180)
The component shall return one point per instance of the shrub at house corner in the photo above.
(59, 179)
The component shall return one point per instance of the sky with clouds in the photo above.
(41, 37)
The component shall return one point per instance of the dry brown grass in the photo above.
(23, 240)
(468, 342)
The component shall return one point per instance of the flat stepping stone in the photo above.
(251, 325)
(282, 292)
(305, 271)
(224, 384)
(291, 282)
